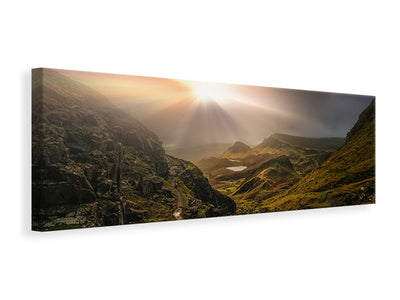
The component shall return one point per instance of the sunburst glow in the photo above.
(211, 91)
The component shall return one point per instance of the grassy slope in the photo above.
(266, 175)
(271, 178)
(347, 177)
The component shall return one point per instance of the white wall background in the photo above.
(337, 253)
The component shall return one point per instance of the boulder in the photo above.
(151, 184)
(146, 187)
(157, 183)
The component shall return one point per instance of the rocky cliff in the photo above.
(93, 164)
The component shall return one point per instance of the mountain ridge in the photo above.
(300, 141)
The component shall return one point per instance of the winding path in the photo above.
(178, 212)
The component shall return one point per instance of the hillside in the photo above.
(346, 178)
(95, 165)
(270, 178)
(249, 175)
(238, 150)
(305, 153)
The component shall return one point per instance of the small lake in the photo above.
(236, 169)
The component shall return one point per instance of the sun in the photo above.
(211, 92)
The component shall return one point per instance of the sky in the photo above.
(188, 113)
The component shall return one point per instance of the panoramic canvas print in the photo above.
(116, 149)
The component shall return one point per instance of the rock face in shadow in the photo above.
(201, 200)
(92, 164)
(220, 204)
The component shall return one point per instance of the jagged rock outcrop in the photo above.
(93, 164)
(201, 199)
(219, 204)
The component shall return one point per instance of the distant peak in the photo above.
(240, 144)
(267, 141)
(274, 135)
(237, 148)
